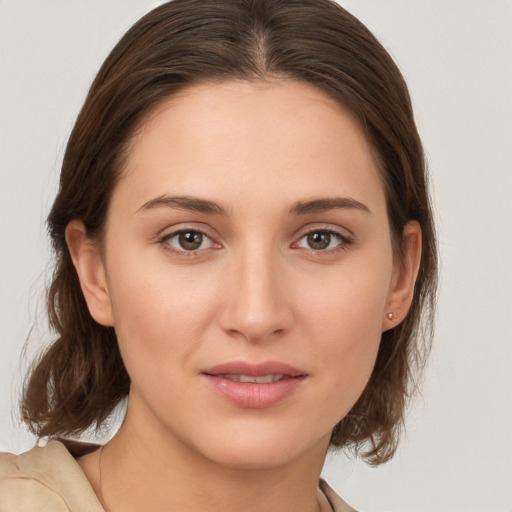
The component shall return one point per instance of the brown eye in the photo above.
(323, 240)
(187, 241)
(190, 240)
(319, 240)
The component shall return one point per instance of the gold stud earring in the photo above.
(391, 316)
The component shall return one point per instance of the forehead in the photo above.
(248, 139)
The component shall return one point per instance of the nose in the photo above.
(255, 306)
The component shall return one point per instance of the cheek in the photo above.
(344, 317)
(347, 303)
(158, 311)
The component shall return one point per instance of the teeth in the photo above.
(263, 379)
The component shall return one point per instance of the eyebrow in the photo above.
(324, 204)
(189, 203)
(196, 204)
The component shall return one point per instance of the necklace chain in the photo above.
(100, 489)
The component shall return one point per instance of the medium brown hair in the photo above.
(81, 377)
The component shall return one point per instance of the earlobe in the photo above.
(89, 266)
(404, 278)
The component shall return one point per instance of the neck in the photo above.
(147, 469)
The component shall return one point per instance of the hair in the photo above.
(80, 378)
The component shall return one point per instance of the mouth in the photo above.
(269, 370)
(264, 379)
(255, 386)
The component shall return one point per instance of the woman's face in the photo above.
(248, 270)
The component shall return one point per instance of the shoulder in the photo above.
(44, 479)
(336, 503)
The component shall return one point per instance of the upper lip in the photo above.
(254, 369)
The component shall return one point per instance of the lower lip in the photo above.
(253, 395)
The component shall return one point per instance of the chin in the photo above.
(253, 457)
(261, 450)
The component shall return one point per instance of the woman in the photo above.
(244, 249)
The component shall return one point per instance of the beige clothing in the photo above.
(48, 479)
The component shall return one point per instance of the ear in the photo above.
(90, 268)
(404, 277)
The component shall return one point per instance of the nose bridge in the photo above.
(256, 305)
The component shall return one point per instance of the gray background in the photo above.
(456, 56)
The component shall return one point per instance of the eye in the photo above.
(187, 240)
(321, 240)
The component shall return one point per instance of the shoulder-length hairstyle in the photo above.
(81, 377)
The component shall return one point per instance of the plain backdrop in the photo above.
(457, 58)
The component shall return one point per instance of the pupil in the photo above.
(190, 240)
(319, 240)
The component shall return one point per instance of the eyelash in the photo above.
(164, 241)
(344, 242)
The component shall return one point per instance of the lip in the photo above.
(254, 395)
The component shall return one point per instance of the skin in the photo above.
(255, 290)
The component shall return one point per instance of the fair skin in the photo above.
(266, 275)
